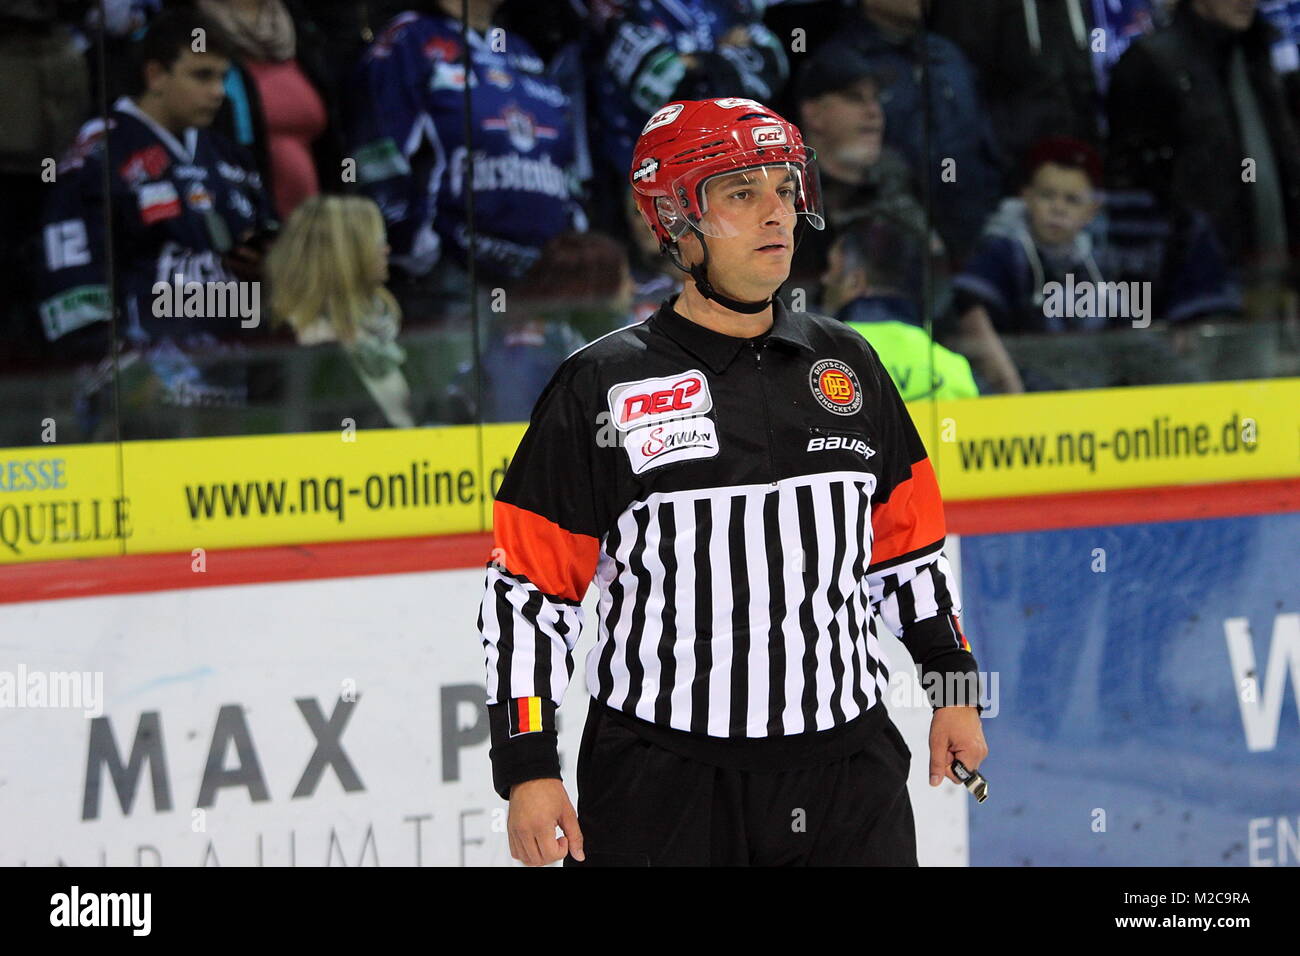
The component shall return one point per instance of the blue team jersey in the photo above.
(178, 204)
(643, 44)
(1284, 16)
(408, 132)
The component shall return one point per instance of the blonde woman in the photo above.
(327, 271)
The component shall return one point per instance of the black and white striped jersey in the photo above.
(743, 506)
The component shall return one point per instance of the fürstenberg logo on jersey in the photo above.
(662, 420)
(208, 300)
(198, 285)
(102, 909)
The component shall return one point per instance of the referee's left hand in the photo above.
(955, 732)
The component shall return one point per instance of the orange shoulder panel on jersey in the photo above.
(560, 563)
(911, 518)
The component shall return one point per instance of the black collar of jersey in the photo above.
(715, 349)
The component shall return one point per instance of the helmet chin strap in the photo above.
(700, 273)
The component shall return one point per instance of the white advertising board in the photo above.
(310, 723)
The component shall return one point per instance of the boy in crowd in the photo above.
(1039, 268)
(187, 207)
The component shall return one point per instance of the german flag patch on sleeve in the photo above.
(528, 715)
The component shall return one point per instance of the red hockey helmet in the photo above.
(688, 143)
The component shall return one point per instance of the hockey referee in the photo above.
(747, 490)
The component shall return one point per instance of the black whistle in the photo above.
(972, 781)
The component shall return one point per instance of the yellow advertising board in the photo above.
(158, 496)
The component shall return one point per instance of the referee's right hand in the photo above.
(537, 807)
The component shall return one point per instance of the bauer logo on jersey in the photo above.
(681, 440)
(835, 386)
(663, 117)
(840, 442)
(768, 135)
(654, 400)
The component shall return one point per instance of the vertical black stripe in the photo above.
(853, 631)
(860, 533)
(835, 600)
(562, 629)
(858, 630)
(942, 596)
(882, 668)
(617, 594)
(738, 561)
(636, 562)
(703, 617)
(906, 599)
(872, 662)
(505, 638)
(668, 639)
(533, 605)
(776, 605)
(808, 626)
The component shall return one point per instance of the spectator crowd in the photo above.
(190, 184)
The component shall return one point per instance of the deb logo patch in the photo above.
(835, 386)
(768, 135)
(681, 440)
(653, 400)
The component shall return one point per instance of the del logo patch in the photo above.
(652, 400)
(835, 386)
(665, 419)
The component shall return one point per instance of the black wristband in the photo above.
(951, 679)
(520, 753)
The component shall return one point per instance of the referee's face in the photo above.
(750, 227)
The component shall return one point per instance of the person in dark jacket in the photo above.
(949, 143)
(1042, 64)
(295, 134)
(46, 98)
(839, 110)
(1198, 118)
(186, 214)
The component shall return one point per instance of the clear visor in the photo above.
(755, 200)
